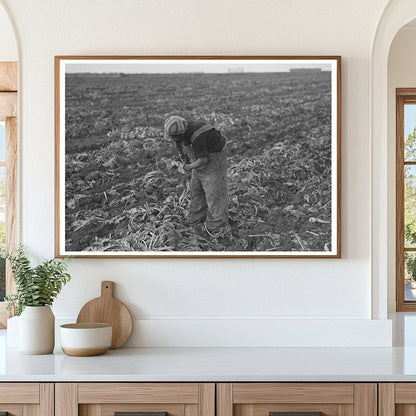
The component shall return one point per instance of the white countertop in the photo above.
(221, 364)
(215, 364)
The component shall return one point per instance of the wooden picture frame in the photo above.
(120, 190)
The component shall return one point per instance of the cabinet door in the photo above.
(297, 399)
(26, 399)
(142, 399)
(397, 399)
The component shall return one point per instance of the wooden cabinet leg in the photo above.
(365, 399)
(207, 399)
(66, 399)
(386, 399)
(47, 399)
(224, 399)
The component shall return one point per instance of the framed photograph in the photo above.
(197, 156)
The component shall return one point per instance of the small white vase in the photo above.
(37, 330)
(12, 334)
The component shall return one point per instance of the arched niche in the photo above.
(396, 14)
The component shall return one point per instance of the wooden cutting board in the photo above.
(109, 310)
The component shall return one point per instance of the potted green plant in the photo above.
(36, 289)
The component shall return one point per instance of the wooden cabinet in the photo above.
(397, 399)
(107, 399)
(27, 399)
(208, 399)
(264, 399)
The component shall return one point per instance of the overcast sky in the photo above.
(409, 119)
(171, 66)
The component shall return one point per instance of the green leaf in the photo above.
(35, 286)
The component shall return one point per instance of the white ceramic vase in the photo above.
(37, 330)
(12, 334)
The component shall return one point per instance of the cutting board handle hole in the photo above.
(107, 288)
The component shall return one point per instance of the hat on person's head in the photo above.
(175, 125)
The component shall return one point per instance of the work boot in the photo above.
(220, 232)
(198, 229)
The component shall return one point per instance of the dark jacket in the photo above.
(210, 141)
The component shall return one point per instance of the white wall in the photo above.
(8, 47)
(401, 74)
(293, 302)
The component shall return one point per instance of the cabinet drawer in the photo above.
(138, 393)
(293, 399)
(19, 393)
(21, 399)
(147, 399)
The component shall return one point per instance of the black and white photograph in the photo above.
(198, 156)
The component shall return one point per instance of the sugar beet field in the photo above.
(123, 187)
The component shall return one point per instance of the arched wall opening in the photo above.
(401, 73)
(396, 15)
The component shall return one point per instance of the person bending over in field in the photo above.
(205, 147)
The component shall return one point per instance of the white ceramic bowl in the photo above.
(83, 340)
